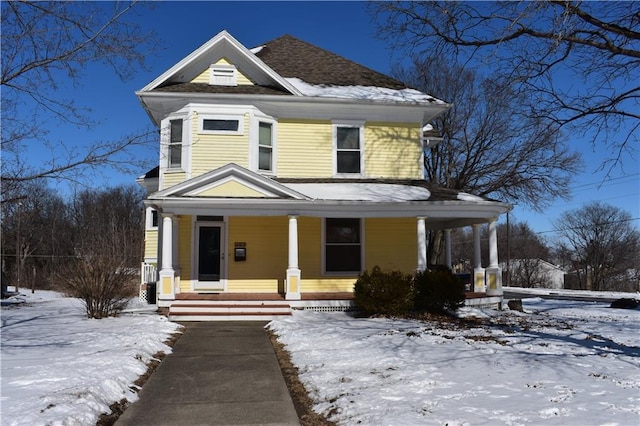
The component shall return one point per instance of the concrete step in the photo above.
(194, 310)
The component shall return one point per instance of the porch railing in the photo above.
(148, 280)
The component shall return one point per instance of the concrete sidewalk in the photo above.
(220, 373)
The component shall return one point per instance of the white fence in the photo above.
(148, 275)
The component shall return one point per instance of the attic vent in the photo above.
(223, 75)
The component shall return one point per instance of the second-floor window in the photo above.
(175, 144)
(265, 146)
(348, 150)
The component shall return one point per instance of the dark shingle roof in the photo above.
(208, 88)
(291, 57)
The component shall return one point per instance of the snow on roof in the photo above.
(361, 191)
(363, 92)
(257, 49)
(463, 196)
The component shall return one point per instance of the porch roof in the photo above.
(443, 208)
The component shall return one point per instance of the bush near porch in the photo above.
(395, 293)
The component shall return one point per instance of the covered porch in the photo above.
(301, 243)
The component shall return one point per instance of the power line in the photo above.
(590, 225)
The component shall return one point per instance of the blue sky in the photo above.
(344, 28)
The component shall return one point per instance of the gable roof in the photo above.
(293, 58)
(199, 185)
(221, 45)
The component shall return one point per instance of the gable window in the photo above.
(265, 146)
(348, 149)
(175, 144)
(343, 245)
(223, 75)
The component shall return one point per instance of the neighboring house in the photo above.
(535, 273)
(284, 172)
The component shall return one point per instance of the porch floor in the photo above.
(262, 296)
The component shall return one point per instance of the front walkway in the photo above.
(220, 373)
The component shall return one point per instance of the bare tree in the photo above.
(35, 236)
(577, 62)
(602, 243)
(488, 147)
(46, 46)
(107, 238)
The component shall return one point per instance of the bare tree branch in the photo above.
(577, 62)
(46, 46)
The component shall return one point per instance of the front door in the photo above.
(210, 257)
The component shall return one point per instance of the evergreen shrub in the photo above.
(387, 293)
(437, 291)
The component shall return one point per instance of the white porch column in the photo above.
(478, 271)
(292, 285)
(167, 273)
(494, 273)
(422, 244)
(447, 247)
(175, 222)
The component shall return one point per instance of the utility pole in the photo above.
(19, 248)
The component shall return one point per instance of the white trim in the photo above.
(254, 142)
(223, 75)
(224, 265)
(359, 124)
(228, 117)
(323, 260)
(228, 179)
(227, 41)
(230, 169)
(165, 134)
(148, 219)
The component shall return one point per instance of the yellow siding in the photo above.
(151, 243)
(391, 244)
(393, 150)
(309, 247)
(255, 286)
(173, 178)
(204, 76)
(266, 241)
(317, 285)
(305, 148)
(208, 152)
(231, 189)
(184, 252)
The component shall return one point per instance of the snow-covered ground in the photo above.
(59, 368)
(558, 363)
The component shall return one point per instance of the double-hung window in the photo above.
(348, 149)
(175, 144)
(343, 245)
(265, 146)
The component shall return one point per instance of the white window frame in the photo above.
(254, 140)
(229, 117)
(149, 219)
(350, 124)
(324, 245)
(223, 75)
(165, 141)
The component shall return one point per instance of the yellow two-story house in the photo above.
(284, 172)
